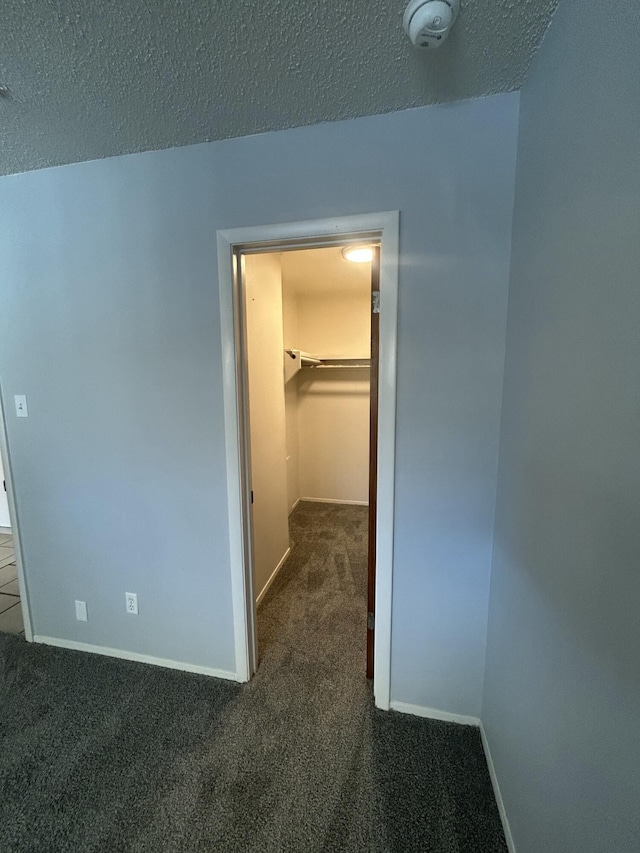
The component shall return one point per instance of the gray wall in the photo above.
(562, 697)
(110, 325)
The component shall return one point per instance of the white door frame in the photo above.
(379, 226)
(15, 527)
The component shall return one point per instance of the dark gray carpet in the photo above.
(105, 755)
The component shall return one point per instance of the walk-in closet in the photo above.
(307, 330)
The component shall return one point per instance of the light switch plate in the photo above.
(21, 406)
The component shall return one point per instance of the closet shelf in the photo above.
(341, 362)
(295, 359)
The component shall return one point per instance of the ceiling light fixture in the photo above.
(358, 254)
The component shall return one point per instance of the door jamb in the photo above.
(15, 527)
(385, 228)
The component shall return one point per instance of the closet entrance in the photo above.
(308, 322)
(235, 246)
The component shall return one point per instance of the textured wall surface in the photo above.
(90, 80)
(110, 324)
(562, 695)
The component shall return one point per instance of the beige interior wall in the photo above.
(332, 298)
(333, 424)
(336, 323)
(265, 344)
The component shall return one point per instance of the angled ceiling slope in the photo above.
(90, 80)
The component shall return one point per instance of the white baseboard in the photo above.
(497, 793)
(295, 505)
(272, 577)
(5, 531)
(434, 714)
(332, 501)
(135, 656)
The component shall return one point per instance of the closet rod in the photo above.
(306, 360)
(323, 366)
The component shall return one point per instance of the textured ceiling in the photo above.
(89, 79)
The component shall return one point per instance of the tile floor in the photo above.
(10, 610)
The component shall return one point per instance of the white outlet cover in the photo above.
(81, 611)
(131, 600)
(21, 406)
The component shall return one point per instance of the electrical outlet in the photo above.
(81, 611)
(132, 602)
(21, 406)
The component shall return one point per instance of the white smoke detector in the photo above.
(428, 22)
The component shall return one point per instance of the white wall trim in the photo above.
(15, 526)
(5, 531)
(272, 577)
(124, 655)
(334, 501)
(497, 793)
(389, 267)
(384, 226)
(241, 582)
(297, 501)
(434, 714)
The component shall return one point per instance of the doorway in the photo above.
(310, 355)
(235, 249)
(14, 611)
